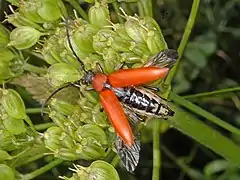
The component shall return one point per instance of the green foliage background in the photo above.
(202, 140)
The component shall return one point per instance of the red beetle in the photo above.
(109, 101)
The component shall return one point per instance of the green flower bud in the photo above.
(62, 107)
(13, 104)
(14, 126)
(68, 58)
(6, 172)
(99, 15)
(91, 61)
(17, 19)
(49, 10)
(106, 38)
(99, 170)
(5, 72)
(102, 170)
(51, 138)
(7, 141)
(83, 38)
(24, 37)
(130, 57)
(155, 39)
(58, 119)
(112, 58)
(67, 141)
(90, 130)
(90, 149)
(121, 31)
(53, 47)
(61, 73)
(4, 155)
(135, 30)
(67, 154)
(4, 36)
(30, 10)
(140, 49)
(6, 54)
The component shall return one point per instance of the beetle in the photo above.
(109, 100)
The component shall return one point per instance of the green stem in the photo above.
(43, 126)
(201, 112)
(147, 7)
(115, 161)
(192, 174)
(42, 170)
(156, 150)
(140, 9)
(222, 91)
(116, 9)
(184, 40)
(35, 69)
(34, 158)
(33, 110)
(78, 8)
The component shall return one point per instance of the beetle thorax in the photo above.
(98, 81)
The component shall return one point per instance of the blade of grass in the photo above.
(204, 134)
(212, 93)
(183, 43)
(201, 112)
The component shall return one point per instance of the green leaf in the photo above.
(204, 134)
(216, 166)
(195, 56)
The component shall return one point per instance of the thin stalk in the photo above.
(201, 112)
(217, 92)
(34, 110)
(35, 69)
(42, 170)
(116, 9)
(34, 158)
(147, 7)
(79, 9)
(43, 126)
(140, 9)
(192, 174)
(156, 150)
(184, 40)
(115, 161)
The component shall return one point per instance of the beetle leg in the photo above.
(120, 66)
(152, 88)
(99, 67)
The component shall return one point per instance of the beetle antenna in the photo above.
(71, 47)
(54, 93)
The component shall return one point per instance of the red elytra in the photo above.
(109, 101)
(116, 116)
(136, 76)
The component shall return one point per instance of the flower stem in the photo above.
(43, 126)
(116, 9)
(35, 69)
(33, 110)
(156, 150)
(147, 7)
(217, 92)
(184, 41)
(78, 8)
(115, 161)
(42, 170)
